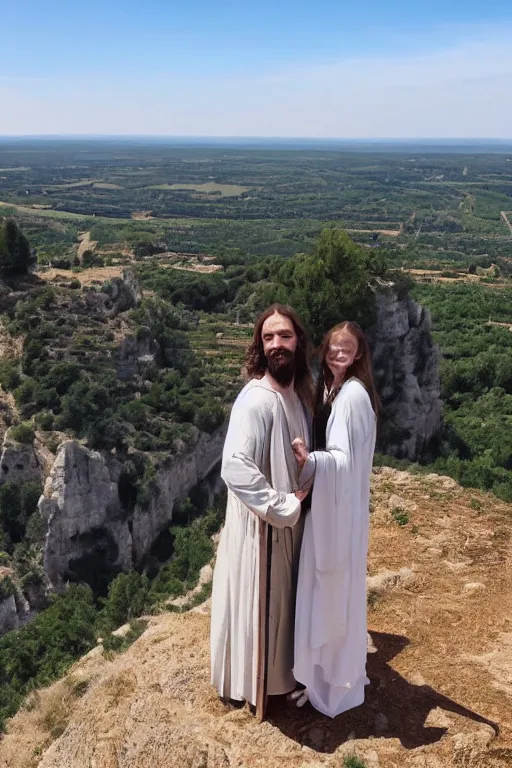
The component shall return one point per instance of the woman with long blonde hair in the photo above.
(330, 623)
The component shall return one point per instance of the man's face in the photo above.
(279, 345)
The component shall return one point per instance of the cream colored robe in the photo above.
(260, 471)
(330, 626)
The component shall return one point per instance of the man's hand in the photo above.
(300, 451)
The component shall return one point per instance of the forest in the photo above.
(213, 234)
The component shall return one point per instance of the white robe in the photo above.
(260, 471)
(330, 624)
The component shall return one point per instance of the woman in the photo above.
(330, 623)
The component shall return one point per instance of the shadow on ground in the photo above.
(393, 708)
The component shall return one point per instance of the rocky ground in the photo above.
(440, 617)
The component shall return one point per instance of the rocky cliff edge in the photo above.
(440, 602)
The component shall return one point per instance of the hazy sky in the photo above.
(322, 68)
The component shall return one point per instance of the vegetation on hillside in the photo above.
(476, 378)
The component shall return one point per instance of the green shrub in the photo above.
(18, 501)
(10, 376)
(43, 650)
(6, 588)
(352, 761)
(127, 599)
(400, 516)
(22, 433)
(44, 421)
(209, 417)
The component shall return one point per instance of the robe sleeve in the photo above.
(334, 506)
(249, 423)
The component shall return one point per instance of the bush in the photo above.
(17, 503)
(10, 376)
(6, 588)
(209, 417)
(114, 644)
(44, 649)
(127, 599)
(22, 433)
(44, 421)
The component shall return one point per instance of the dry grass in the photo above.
(225, 190)
(388, 232)
(441, 677)
(435, 276)
(86, 276)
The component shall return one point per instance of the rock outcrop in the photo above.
(118, 295)
(174, 479)
(406, 365)
(136, 355)
(84, 515)
(14, 608)
(19, 462)
(90, 527)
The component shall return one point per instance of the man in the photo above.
(254, 582)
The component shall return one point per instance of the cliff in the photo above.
(406, 366)
(95, 527)
(90, 525)
(440, 693)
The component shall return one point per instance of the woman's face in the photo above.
(342, 351)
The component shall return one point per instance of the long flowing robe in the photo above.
(260, 471)
(330, 624)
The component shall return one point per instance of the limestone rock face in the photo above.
(406, 366)
(19, 462)
(87, 526)
(119, 295)
(174, 479)
(14, 608)
(8, 615)
(136, 355)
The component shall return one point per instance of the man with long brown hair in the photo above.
(254, 582)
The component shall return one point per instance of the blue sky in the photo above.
(326, 68)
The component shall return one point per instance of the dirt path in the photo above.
(504, 216)
(84, 244)
(389, 232)
(441, 679)
(503, 325)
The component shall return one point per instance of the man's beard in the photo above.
(281, 366)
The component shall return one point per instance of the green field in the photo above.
(423, 207)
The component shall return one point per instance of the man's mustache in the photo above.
(281, 352)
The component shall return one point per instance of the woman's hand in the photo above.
(300, 451)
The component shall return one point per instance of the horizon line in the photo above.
(205, 137)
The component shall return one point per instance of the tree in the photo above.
(15, 254)
(329, 285)
(127, 598)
